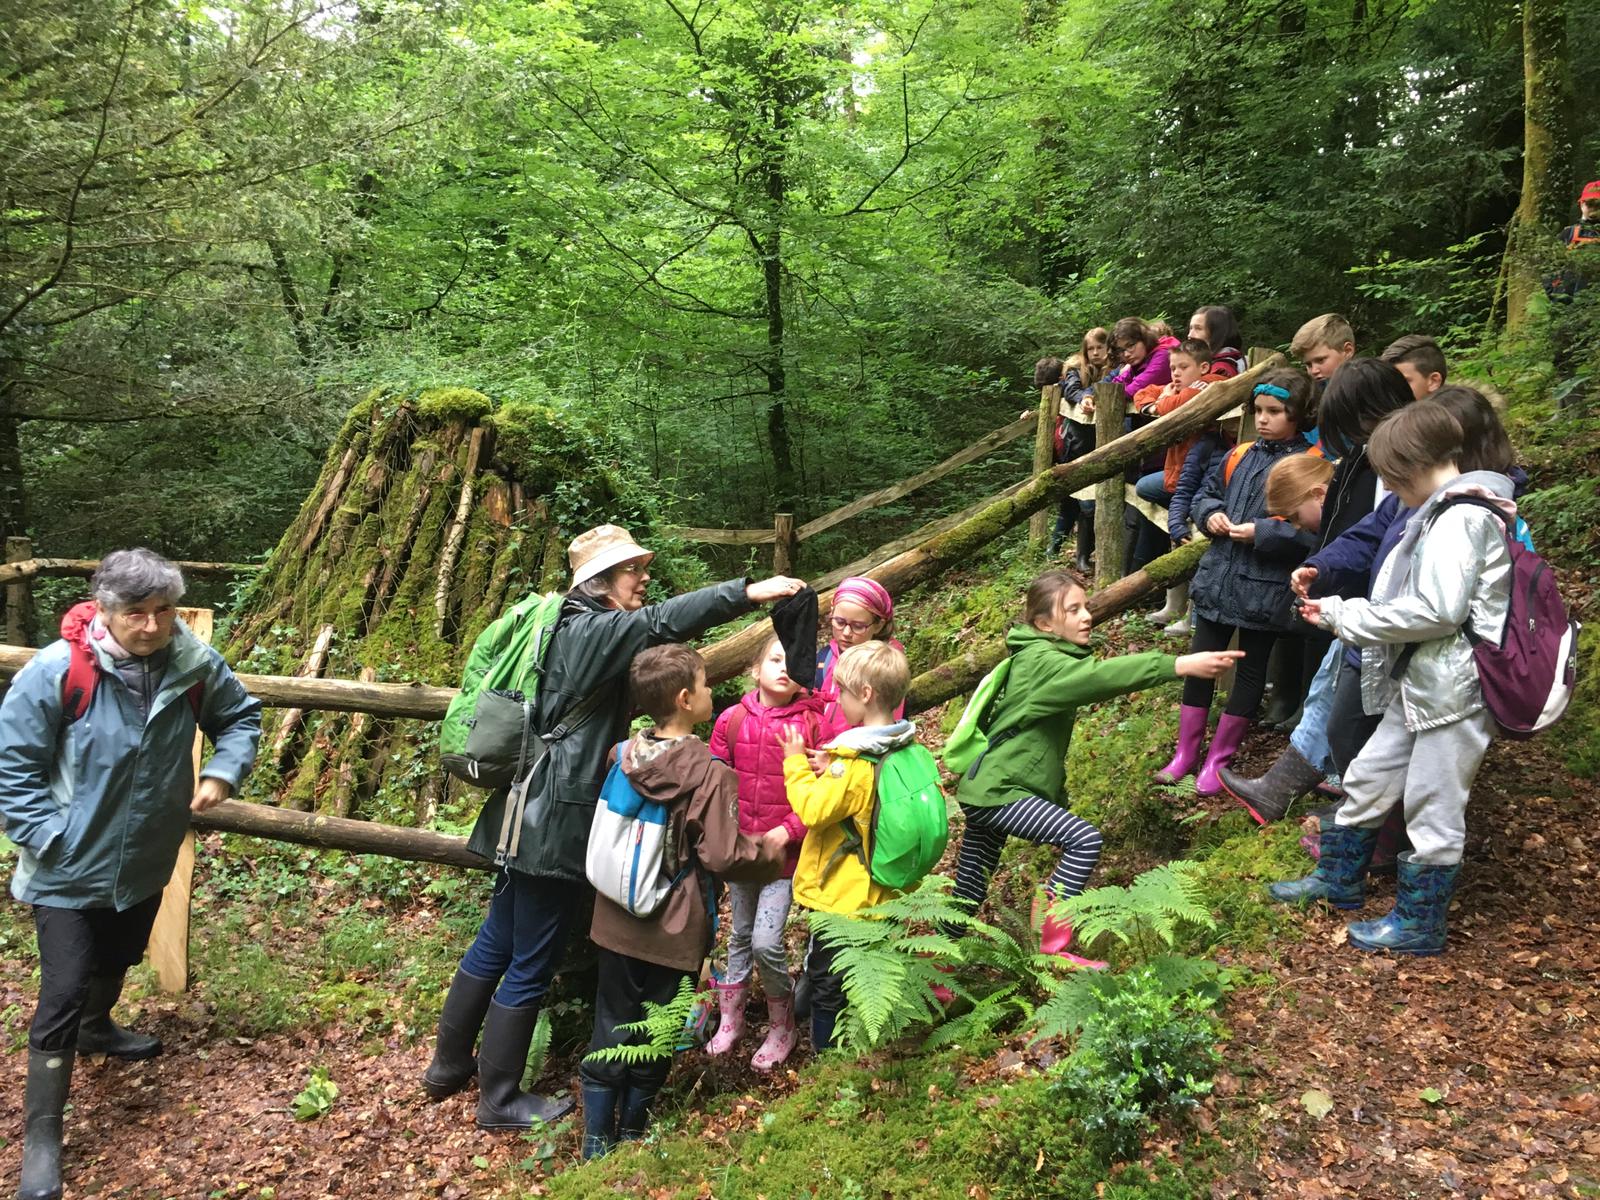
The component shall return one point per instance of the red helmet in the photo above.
(1591, 191)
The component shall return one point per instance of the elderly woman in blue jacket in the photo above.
(96, 786)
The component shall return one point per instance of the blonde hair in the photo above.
(1292, 480)
(1088, 373)
(877, 665)
(1330, 330)
(761, 654)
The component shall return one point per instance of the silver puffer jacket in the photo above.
(1427, 589)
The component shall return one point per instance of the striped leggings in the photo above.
(1035, 820)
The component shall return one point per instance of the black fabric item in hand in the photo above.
(794, 618)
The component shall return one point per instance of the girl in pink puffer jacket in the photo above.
(746, 738)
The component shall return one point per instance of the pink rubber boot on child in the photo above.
(1055, 936)
(782, 1034)
(730, 1003)
(1191, 741)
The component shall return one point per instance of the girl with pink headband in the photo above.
(862, 611)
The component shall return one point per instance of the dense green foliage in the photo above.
(788, 250)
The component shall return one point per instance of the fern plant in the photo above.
(1146, 915)
(890, 957)
(1006, 978)
(662, 1030)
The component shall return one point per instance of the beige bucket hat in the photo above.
(600, 549)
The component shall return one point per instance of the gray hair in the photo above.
(126, 577)
(599, 587)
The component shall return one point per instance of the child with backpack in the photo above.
(1078, 377)
(862, 611)
(843, 867)
(1014, 787)
(654, 935)
(746, 738)
(1242, 584)
(1451, 571)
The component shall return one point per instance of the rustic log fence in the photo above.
(898, 569)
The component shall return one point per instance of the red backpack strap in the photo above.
(1232, 461)
(197, 696)
(78, 684)
(730, 732)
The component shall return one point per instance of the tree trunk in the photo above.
(1547, 149)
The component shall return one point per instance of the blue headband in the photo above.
(1270, 389)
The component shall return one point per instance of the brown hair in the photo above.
(878, 665)
(1046, 371)
(1132, 329)
(1414, 440)
(1195, 348)
(1299, 405)
(1088, 373)
(761, 654)
(1484, 444)
(1420, 351)
(1045, 593)
(1292, 480)
(1330, 330)
(658, 674)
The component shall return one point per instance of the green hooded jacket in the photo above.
(1050, 678)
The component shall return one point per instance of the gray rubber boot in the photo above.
(49, 1077)
(99, 1034)
(454, 1064)
(502, 1059)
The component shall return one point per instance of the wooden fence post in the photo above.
(19, 596)
(1110, 535)
(1044, 454)
(783, 544)
(169, 939)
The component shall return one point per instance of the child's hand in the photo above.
(818, 759)
(1219, 524)
(777, 837)
(1088, 405)
(1180, 541)
(1243, 533)
(1301, 579)
(1208, 664)
(1310, 612)
(792, 739)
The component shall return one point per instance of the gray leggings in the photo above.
(760, 912)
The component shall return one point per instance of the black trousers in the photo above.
(75, 945)
(625, 984)
(827, 991)
(1348, 727)
(1249, 677)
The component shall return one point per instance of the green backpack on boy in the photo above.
(969, 740)
(910, 822)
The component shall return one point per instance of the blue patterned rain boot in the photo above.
(1341, 874)
(1417, 923)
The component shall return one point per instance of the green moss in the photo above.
(454, 404)
(1580, 733)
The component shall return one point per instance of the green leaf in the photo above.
(1317, 1102)
(1431, 1095)
(480, 1162)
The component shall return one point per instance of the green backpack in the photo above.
(969, 740)
(487, 737)
(910, 823)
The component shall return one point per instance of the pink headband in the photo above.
(868, 593)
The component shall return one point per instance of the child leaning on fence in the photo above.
(645, 959)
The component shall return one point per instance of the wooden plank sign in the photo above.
(169, 940)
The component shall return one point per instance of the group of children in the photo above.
(1339, 525)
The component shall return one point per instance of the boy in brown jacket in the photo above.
(646, 959)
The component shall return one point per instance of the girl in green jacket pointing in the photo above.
(1015, 789)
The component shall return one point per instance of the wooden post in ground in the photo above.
(1110, 534)
(1044, 454)
(783, 544)
(19, 596)
(169, 940)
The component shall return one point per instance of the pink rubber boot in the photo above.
(1230, 733)
(1191, 738)
(1055, 935)
(730, 1003)
(782, 1035)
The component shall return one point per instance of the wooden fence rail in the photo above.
(34, 568)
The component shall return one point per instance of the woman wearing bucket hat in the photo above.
(582, 711)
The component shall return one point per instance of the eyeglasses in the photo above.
(143, 619)
(843, 623)
(632, 568)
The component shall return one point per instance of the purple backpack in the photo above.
(1528, 676)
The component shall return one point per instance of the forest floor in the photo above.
(1476, 1073)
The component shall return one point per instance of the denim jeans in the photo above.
(1310, 737)
(522, 936)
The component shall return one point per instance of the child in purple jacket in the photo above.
(746, 738)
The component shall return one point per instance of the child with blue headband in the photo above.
(1242, 584)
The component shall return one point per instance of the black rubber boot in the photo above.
(1269, 797)
(49, 1077)
(1085, 549)
(454, 1064)
(502, 1059)
(633, 1113)
(599, 1119)
(99, 1034)
(1284, 673)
